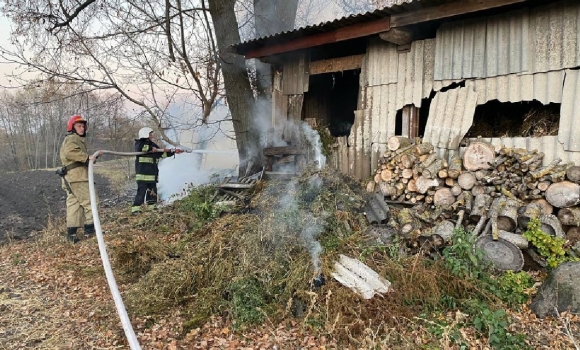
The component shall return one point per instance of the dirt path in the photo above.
(29, 198)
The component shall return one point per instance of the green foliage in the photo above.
(199, 201)
(326, 139)
(513, 287)
(247, 298)
(467, 263)
(550, 247)
(460, 258)
(493, 324)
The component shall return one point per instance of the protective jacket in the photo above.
(74, 155)
(146, 166)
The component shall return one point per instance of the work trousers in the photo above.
(78, 204)
(146, 192)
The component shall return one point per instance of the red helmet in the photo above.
(74, 119)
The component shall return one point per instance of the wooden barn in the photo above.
(504, 71)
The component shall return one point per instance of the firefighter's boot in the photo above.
(90, 230)
(71, 234)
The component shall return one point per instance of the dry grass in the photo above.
(176, 280)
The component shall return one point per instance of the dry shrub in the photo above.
(136, 254)
(540, 122)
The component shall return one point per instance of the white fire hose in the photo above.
(127, 327)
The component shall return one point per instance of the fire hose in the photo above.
(127, 327)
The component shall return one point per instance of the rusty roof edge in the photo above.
(325, 26)
(402, 7)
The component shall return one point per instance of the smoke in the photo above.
(293, 209)
(176, 174)
(213, 154)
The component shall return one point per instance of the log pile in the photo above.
(497, 190)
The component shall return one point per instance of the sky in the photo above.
(5, 43)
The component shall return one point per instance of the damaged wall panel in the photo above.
(543, 87)
(450, 117)
(412, 74)
(570, 112)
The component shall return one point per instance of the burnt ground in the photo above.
(29, 198)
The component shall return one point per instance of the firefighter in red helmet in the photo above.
(75, 178)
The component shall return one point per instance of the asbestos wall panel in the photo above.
(543, 87)
(450, 117)
(568, 134)
(525, 41)
(555, 36)
(383, 62)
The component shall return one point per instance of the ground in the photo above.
(29, 198)
(54, 295)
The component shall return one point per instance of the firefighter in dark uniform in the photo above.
(147, 170)
(75, 178)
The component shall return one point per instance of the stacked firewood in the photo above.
(498, 191)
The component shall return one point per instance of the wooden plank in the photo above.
(447, 10)
(236, 186)
(346, 33)
(336, 64)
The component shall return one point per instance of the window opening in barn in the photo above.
(332, 99)
(424, 114)
(411, 121)
(407, 121)
(515, 119)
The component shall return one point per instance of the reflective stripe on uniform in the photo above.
(141, 177)
(147, 160)
(135, 209)
(151, 206)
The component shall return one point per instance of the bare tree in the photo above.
(149, 52)
(33, 123)
(146, 51)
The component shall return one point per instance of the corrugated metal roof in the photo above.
(524, 41)
(570, 112)
(393, 7)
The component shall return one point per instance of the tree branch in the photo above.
(68, 17)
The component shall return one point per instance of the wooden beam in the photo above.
(447, 10)
(341, 34)
(399, 36)
(336, 64)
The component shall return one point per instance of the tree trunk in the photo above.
(481, 206)
(563, 194)
(525, 213)
(573, 174)
(237, 85)
(478, 155)
(508, 216)
(443, 197)
(569, 216)
(396, 142)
